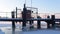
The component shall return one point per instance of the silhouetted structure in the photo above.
(28, 14)
(16, 13)
(53, 22)
(24, 16)
(38, 22)
(31, 22)
(48, 22)
(13, 22)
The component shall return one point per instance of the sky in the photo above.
(44, 6)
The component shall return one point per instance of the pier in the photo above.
(24, 19)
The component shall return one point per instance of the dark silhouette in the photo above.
(13, 22)
(38, 22)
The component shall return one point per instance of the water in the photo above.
(18, 31)
(6, 29)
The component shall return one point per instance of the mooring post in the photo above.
(13, 16)
(53, 22)
(38, 22)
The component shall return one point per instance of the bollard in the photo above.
(13, 16)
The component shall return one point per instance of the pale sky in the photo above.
(51, 6)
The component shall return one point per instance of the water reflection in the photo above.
(9, 30)
(13, 30)
(18, 29)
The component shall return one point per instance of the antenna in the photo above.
(25, 1)
(31, 5)
(31, 8)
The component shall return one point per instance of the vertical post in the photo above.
(31, 22)
(13, 16)
(48, 22)
(24, 17)
(38, 22)
(53, 22)
(16, 13)
(13, 23)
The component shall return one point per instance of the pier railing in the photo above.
(8, 16)
(19, 15)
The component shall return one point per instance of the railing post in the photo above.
(13, 16)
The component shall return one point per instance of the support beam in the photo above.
(13, 16)
(48, 22)
(16, 13)
(24, 17)
(48, 25)
(31, 22)
(53, 22)
(38, 22)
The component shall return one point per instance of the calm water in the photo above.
(6, 29)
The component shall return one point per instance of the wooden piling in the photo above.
(38, 22)
(13, 16)
(31, 22)
(53, 22)
(48, 22)
(24, 17)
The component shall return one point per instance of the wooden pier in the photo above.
(24, 20)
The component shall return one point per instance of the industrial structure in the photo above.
(26, 16)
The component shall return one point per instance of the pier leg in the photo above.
(48, 25)
(13, 30)
(24, 17)
(24, 24)
(53, 22)
(31, 26)
(13, 23)
(48, 22)
(38, 24)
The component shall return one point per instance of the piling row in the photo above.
(52, 22)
